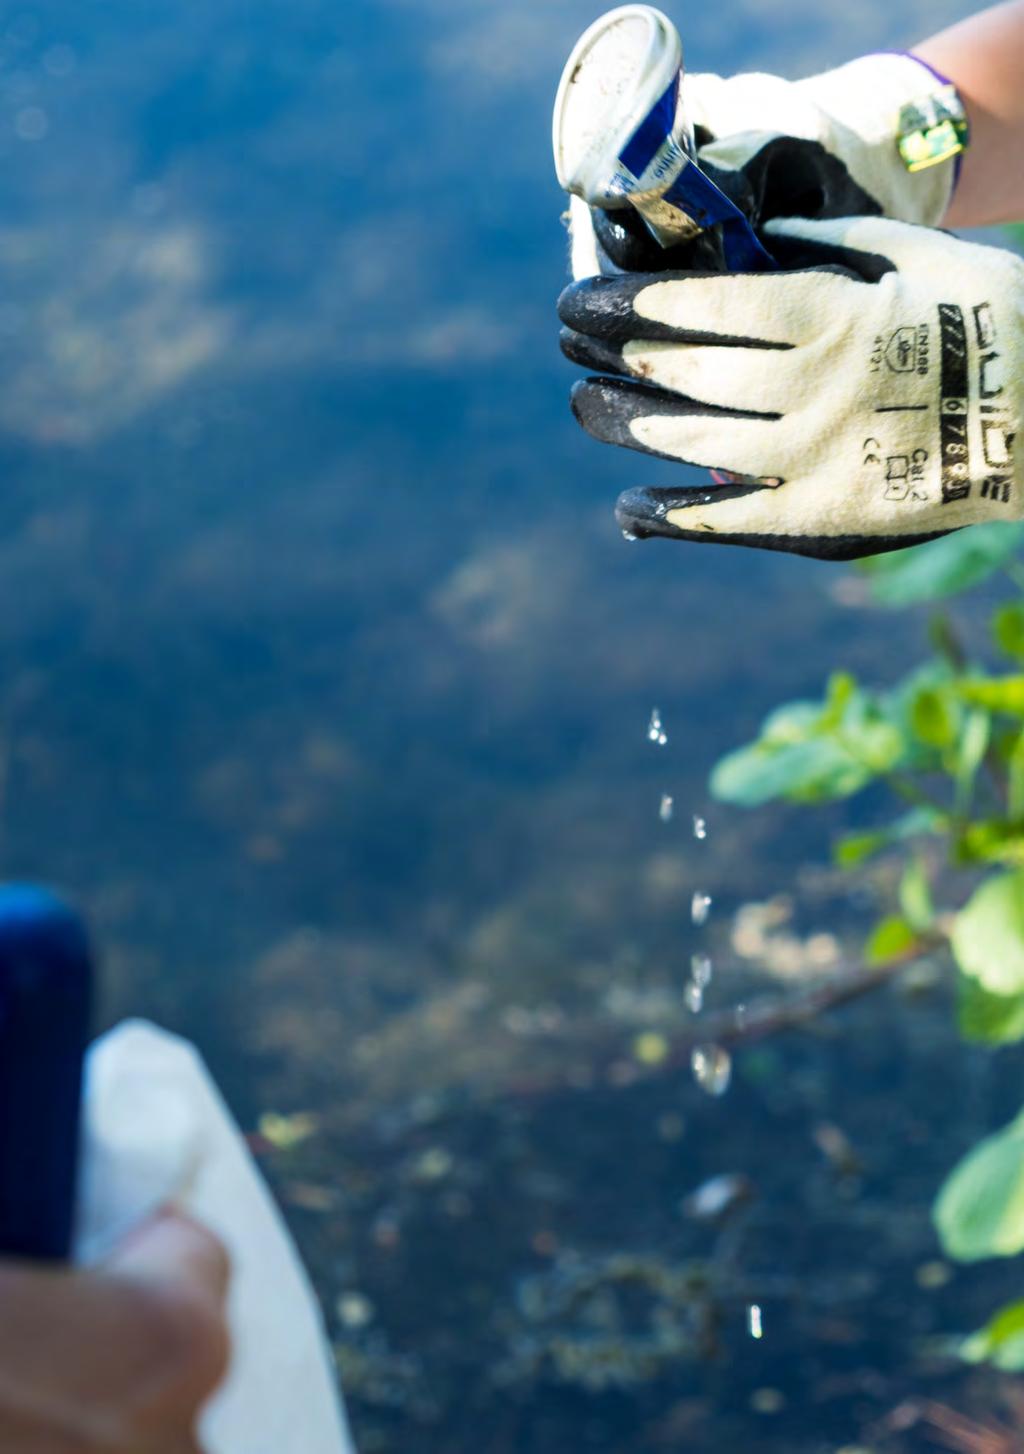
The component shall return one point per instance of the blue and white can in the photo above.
(622, 138)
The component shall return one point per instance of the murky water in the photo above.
(324, 676)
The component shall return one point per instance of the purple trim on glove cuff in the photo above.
(943, 81)
(910, 56)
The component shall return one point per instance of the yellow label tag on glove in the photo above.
(932, 130)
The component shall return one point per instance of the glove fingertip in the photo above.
(605, 408)
(638, 517)
(602, 307)
(591, 353)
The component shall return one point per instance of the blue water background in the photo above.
(324, 679)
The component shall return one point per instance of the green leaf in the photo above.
(980, 1209)
(916, 897)
(934, 716)
(840, 692)
(802, 772)
(942, 567)
(974, 741)
(993, 840)
(891, 939)
(857, 848)
(877, 744)
(995, 694)
(988, 1018)
(795, 758)
(810, 753)
(897, 707)
(791, 723)
(1000, 1342)
(1008, 629)
(988, 937)
(1015, 779)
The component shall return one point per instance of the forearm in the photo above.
(984, 58)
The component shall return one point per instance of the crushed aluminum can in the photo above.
(621, 136)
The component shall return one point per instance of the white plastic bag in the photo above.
(156, 1130)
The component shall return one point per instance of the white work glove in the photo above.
(865, 397)
(828, 146)
(852, 113)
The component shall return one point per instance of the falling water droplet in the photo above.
(700, 828)
(754, 1322)
(700, 908)
(694, 997)
(655, 729)
(701, 970)
(712, 1068)
(668, 807)
(628, 535)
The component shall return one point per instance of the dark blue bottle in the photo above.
(45, 1004)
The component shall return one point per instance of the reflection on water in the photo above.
(323, 664)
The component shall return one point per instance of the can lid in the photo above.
(617, 71)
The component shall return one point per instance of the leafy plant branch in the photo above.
(947, 744)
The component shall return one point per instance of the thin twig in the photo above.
(966, 1435)
(773, 1014)
(746, 1024)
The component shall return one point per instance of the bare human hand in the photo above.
(116, 1360)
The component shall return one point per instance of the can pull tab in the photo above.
(621, 136)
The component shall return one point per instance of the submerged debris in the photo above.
(610, 1322)
(759, 934)
(767, 1401)
(651, 1048)
(834, 1144)
(284, 1133)
(355, 1310)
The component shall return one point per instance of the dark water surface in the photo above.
(325, 679)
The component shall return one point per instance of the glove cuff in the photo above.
(863, 101)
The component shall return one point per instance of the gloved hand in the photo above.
(783, 135)
(828, 146)
(866, 397)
